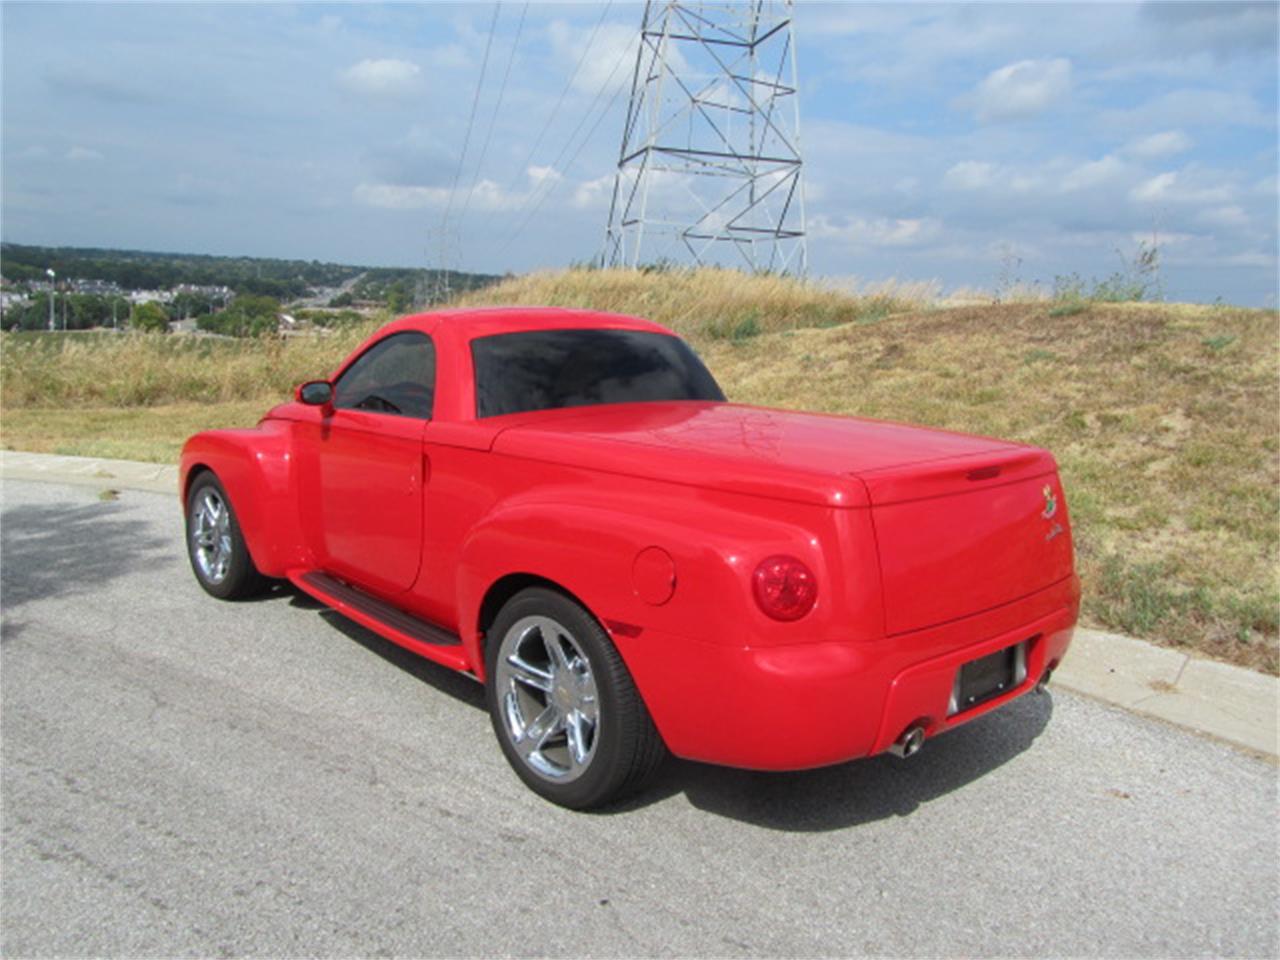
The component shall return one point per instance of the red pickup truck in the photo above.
(562, 504)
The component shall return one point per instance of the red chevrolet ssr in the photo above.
(561, 504)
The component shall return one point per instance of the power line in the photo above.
(555, 111)
(466, 140)
(493, 119)
(551, 187)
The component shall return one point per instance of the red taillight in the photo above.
(784, 587)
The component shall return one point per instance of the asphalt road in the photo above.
(188, 777)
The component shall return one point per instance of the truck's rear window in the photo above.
(543, 369)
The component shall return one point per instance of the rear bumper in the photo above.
(814, 704)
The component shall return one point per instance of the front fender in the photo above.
(255, 468)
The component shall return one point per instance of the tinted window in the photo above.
(543, 369)
(396, 375)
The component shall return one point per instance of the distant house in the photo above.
(150, 296)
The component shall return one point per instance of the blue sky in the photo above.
(969, 144)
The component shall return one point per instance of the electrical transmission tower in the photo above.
(710, 162)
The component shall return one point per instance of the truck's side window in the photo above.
(396, 376)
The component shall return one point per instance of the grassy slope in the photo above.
(1165, 418)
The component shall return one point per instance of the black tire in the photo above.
(209, 544)
(625, 746)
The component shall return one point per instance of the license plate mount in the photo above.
(988, 677)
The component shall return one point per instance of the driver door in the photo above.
(369, 464)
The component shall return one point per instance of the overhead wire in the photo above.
(553, 183)
(493, 118)
(555, 111)
(466, 140)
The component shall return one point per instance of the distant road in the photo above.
(182, 776)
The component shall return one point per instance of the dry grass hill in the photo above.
(1165, 418)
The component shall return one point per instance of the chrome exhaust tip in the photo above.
(909, 743)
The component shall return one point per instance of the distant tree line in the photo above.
(248, 316)
(133, 270)
(255, 283)
(330, 318)
(404, 288)
(82, 311)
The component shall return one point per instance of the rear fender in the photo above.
(255, 467)
(587, 545)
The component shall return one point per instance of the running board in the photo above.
(412, 633)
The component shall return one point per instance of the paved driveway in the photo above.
(182, 776)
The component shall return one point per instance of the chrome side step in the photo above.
(380, 610)
(413, 633)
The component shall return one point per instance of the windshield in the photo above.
(544, 369)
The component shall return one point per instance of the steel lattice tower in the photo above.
(710, 161)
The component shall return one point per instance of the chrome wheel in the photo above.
(210, 533)
(548, 703)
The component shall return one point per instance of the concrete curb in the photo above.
(1226, 702)
(89, 471)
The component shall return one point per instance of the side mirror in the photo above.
(316, 393)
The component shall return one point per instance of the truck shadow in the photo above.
(831, 798)
(863, 791)
(449, 682)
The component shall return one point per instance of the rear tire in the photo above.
(215, 545)
(563, 705)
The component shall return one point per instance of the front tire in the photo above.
(215, 546)
(565, 710)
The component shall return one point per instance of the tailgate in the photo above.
(960, 536)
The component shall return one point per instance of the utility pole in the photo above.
(53, 289)
(709, 171)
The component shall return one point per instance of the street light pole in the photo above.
(53, 288)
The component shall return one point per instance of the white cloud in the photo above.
(83, 153)
(1260, 259)
(1022, 89)
(487, 196)
(1092, 174)
(970, 175)
(877, 231)
(538, 175)
(1155, 189)
(1163, 239)
(1227, 30)
(395, 78)
(1191, 107)
(1228, 216)
(1188, 187)
(611, 59)
(976, 175)
(1164, 144)
(594, 194)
